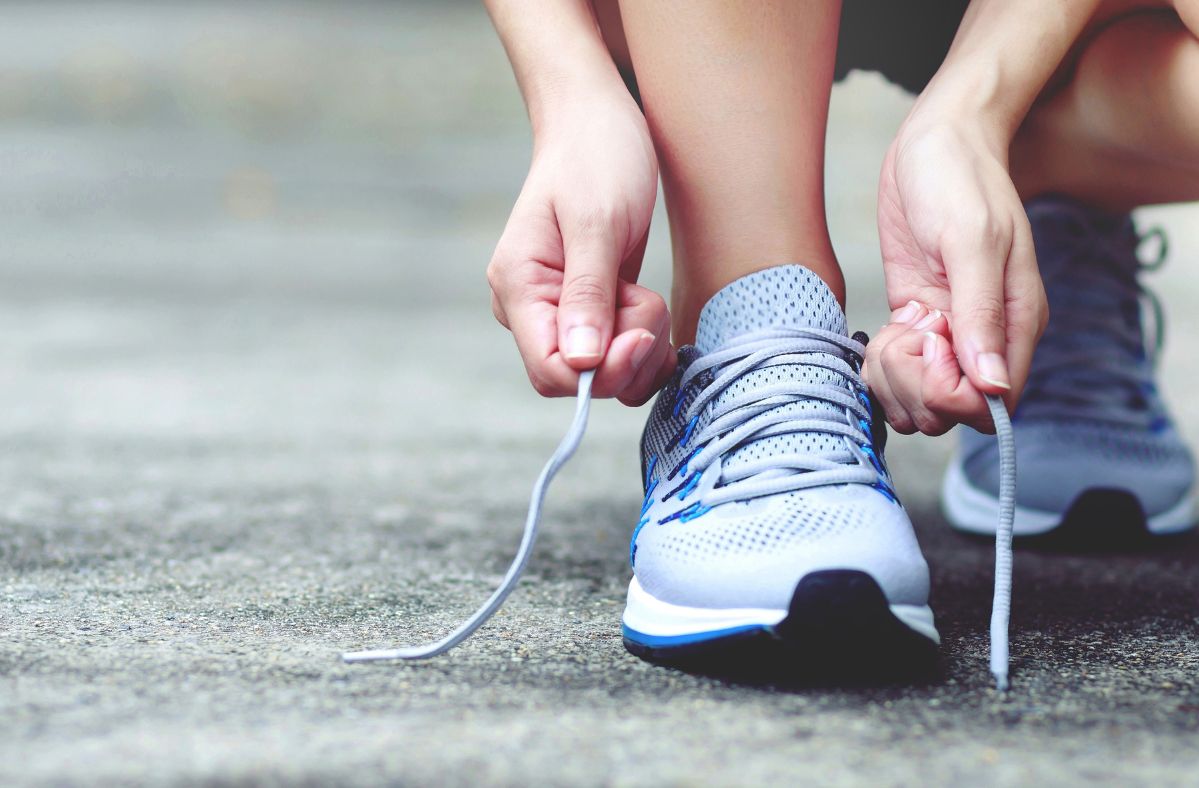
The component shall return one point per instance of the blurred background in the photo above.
(214, 161)
(254, 409)
(245, 168)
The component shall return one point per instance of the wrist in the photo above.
(568, 78)
(580, 99)
(971, 105)
(558, 54)
(1003, 55)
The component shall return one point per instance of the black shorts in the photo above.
(904, 40)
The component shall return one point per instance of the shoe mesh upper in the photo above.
(752, 553)
(764, 300)
(766, 527)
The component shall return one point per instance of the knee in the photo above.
(1134, 46)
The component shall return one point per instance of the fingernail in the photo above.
(992, 369)
(909, 311)
(641, 350)
(582, 342)
(929, 319)
(929, 352)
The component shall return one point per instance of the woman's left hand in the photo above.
(956, 243)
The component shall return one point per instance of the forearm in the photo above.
(1003, 55)
(557, 52)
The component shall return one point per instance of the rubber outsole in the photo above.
(839, 624)
(1098, 519)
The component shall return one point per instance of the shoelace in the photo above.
(565, 449)
(762, 413)
(1075, 377)
(1002, 599)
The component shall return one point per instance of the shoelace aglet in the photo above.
(1001, 605)
(565, 449)
(350, 657)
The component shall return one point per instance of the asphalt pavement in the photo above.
(255, 412)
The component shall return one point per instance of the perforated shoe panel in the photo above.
(753, 553)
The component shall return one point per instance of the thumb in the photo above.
(587, 306)
(946, 391)
(979, 320)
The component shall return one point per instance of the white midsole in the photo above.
(648, 615)
(975, 511)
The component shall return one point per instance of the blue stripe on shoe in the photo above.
(667, 641)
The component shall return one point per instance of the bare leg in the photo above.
(1124, 131)
(736, 95)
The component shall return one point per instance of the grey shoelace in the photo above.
(565, 449)
(1002, 601)
(762, 413)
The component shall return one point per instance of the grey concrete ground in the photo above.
(254, 411)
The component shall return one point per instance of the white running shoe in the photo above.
(769, 518)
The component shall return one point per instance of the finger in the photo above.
(534, 326)
(527, 309)
(587, 306)
(646, 382)
(909, 312)
(661, 375)
(975, 260)
(918, 317)
(913, 355)
(627, 353)
(878, 374)
(945, 391)
(638, 308)
(894, 413)
(901, 322)
(497, 309)
(667, 369)
(934, 321)
(909, 362)
(525, 278)
(903, 365)
(1027, 311)
(926, 384)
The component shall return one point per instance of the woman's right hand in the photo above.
(563, 276)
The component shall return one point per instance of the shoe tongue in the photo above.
(788, 296)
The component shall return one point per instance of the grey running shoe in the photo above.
(1099, 458)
